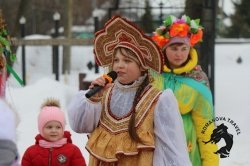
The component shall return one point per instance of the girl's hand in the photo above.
(101, 82)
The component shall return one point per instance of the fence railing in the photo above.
(58, 41)
(54, 42)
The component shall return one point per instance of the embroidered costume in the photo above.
(157, 119)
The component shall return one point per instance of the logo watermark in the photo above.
(221, 132)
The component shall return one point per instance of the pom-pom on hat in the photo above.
(50, 111)
(174, 30)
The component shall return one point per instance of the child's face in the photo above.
(53, 131)
(177, 54)
(127, 68)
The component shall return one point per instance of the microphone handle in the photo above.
(97, 88)
(93, 91)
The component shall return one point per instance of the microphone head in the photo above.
(113, 75)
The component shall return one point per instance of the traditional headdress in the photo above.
(175, 30)
(119, 32)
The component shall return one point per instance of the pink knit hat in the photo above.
(50, 113)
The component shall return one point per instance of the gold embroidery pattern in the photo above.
(116, 126)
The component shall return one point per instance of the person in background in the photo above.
(8, 122)
(9, 118)
(53, 144)
(129, 121)
(181, 73)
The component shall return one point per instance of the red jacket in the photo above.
(67, 155)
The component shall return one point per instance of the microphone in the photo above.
(109, 78)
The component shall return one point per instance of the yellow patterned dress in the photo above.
(110, 143)
(157, 120)
(190, 86)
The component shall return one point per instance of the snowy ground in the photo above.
(232, 98)
(231, 93)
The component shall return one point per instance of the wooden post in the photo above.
(55, 55)
(22, 22)
(67, 27)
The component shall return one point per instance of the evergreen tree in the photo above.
(147, 19)
(240, 27)
(193, 8)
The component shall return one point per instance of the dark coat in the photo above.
(67, 155)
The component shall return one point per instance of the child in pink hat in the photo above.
(53, 144)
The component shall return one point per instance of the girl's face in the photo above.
(53, 131)
(177, 55)
(127, 68)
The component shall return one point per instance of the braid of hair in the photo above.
(131, 127)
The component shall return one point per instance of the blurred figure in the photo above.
(8, 117)
(8, 123)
